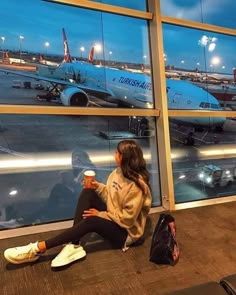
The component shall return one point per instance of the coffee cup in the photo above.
(89, 176)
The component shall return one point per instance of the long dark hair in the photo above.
(133, 164)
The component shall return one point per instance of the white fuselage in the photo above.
(135, 90)
(16, 60)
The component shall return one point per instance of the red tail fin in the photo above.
(41, 59)
(234, 75)
(91, 54)
(67, 57)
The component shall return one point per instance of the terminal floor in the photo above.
(207, 242)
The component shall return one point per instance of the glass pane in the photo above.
(207, 11)
(204, 163)
(89, 60)
(43, 158)
(132, 4)
(199, 69)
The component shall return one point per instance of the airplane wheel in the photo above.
(198, 129)
(219, 129)
(229, 183)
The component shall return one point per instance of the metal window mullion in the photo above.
(200, 113)
(197, 25)
(105, 8)
(54, 110)
(162, 124)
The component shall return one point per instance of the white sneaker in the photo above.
(28, 253)
(68, 254)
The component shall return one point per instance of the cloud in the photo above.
(210, 9)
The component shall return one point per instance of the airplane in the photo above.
(81, 79)
(12, 60)
(47, 62)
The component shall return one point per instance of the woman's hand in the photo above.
(90, 212)
(93, 185)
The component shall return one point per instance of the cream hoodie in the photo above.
(126, 204)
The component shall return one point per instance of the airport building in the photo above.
(77, 77)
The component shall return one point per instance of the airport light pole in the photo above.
(144, 62)
(46, 46)
(82, 49)
(110, 54)
(21, 38)
(215, 61)
(3, 40)
(98, 48)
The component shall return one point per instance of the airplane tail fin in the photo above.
(41, 59)
(91, 54)
(234, 75)
(7, 56)
(67, 57)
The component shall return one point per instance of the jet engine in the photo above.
(73, 96)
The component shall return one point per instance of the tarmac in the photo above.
(25, 135)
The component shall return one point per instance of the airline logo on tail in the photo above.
(7, 56)
(91, 54)
(41, 59)
(67, 57)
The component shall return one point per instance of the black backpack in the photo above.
(164, 247)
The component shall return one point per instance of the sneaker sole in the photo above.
(20, 262)
(77, 256)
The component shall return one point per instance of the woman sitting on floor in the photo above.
(117, 211)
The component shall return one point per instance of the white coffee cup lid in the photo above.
(89, 173)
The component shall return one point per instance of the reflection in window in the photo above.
(220, 14)
(44, 157)
(139, 5)
(200, 67)
(78, 65)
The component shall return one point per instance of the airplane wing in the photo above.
(96, 91)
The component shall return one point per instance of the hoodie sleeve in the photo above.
(102, 191)
(128, 213)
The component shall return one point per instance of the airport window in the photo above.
(220, 14)
(203, 160)
(89, 59)
(200, 67)
(43, 158)
(105, 62)
(132, 4)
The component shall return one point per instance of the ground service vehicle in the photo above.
(213, 176)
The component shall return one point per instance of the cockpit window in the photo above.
(207, 105)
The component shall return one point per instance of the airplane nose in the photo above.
(219, 121)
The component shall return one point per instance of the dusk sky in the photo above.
(126, 38)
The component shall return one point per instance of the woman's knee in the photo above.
(92, 220)
(88, 192)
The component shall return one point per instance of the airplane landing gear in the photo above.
(198, 129)
(219, 129)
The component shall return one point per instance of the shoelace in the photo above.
(31, 253)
